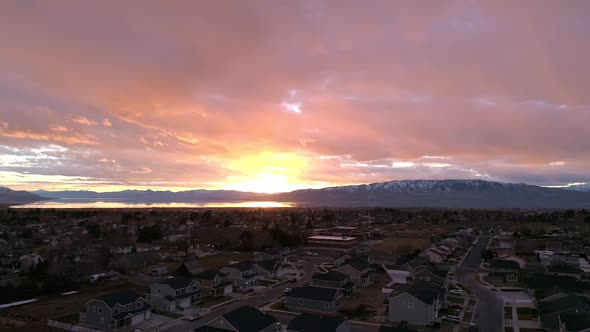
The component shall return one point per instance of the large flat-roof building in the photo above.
(329, 241)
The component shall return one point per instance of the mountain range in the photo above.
(402, 193)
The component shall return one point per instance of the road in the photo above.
(489, 312)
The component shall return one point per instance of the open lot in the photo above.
(402, 244)
(219, 261)
(60, 305)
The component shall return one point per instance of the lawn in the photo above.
(167, 314)
(69, 319)
(219, 261)
(265, 282)
(464, 289)
(457, 300)
(527, 313)
(467, 316)
(507, 312)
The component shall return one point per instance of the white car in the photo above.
(457, 292)
(192, 317)
(286, 290)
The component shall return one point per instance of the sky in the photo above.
(273, 96)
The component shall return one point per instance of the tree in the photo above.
(150, 234)
(247, 240)
(487, 255)
(93, 229)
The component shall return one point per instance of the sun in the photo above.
(267, 172)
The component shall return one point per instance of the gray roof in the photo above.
(210, 274)
(505, 264)
(249, 319)
(321, 294)
(331, 276)
(177, 282)
(243, 265)
(122, 298)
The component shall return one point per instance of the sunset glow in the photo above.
(113, 95)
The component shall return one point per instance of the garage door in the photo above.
(227, 290)
(137, 319)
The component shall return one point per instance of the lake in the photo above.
(126, 204)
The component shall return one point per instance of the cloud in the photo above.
(362, 93)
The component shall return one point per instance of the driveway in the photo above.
(489, 315)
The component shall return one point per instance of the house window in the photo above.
(82, 317)
(403, 305)
(325, 283)
(182, 291)
(427, 278)
(410, 305)
(326, 305)
(301, 302)
(100, 310)
(115, 311)
(93, 308)
(177, 292)
(129, 307)
(139, 305)
(363, 281)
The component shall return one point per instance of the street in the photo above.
(489, 312)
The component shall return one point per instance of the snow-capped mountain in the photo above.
(579, 187)
(443, 193)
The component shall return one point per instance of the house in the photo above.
(505, 270)
(115, 310)
(551, 310)
(214, 283)
(313, 323)
(416, 303)
(358, 270)
(340, 260)
(272, 254)
(189, 268)
(312, 298)
(430, 273)
(242, 319)
(434, 255)
(334, 279)
(29, 262)
(270, 269)
(174, 294)
(564, 270)
(243, 274)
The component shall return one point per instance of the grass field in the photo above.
(219, 261)
(402, 244)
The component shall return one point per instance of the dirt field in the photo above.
(400, 245)
(219, 261)
(59, 305)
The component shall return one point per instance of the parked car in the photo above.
(451, 318)
(278, 326)
(286, 290)
(293, 280)
(192, 317)
(305, 283)
(457, 292)
(455, 306)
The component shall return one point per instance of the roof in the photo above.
(505, 264)
(357, 264)
(313, 323)
(330, 276)
(210, 274)
(249, 319)
(243, 265)
(576, 321)
(177, 282)
(272, 251)
(268, 265)
(404, 328)
(322, 294)
(122, 298)
(192, 266)
(426, 292)
(562, 304)
(206, 328)
(563, 268)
